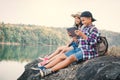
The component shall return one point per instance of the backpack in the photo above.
(102, 44)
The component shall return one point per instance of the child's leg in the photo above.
(60, 58)
(56, 61)
(59, 63)
(66, 49)
(59, 49)
(63, 51)
(55, 55)
(74, 55)
(64, 63)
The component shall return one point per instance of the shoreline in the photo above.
(9, 43)
(18, 44)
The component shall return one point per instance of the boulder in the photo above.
(100, 68)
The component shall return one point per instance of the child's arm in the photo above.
(74, 39)
(80, 33)
(92, 38)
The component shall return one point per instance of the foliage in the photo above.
(114, 51)
(112, 37)
(32, 34)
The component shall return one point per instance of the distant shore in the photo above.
(9, 43)
(17, 44)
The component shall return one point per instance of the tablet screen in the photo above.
(72, 31)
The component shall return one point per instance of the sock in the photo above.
(42, 67)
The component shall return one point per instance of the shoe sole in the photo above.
(41, 73)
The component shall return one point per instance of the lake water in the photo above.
(14, 58)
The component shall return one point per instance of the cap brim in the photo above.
(93, 19)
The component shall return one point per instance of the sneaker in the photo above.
(42, 67)
(45, 58)
(45, 72)
(44, 62)
(35, 70)
(35, 74)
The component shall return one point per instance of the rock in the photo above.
(28, 73)
(114, 51)
(33, 63)
(67, 73)
(100, 68)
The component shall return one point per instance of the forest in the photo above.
(32, 34)
(27, 34)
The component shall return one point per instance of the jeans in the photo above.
(76, 52)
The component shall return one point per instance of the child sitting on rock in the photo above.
(85, 50)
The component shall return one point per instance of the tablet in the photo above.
(72, 31)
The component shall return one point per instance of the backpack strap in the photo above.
(93, 27)
(82, 27)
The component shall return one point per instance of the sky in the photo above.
(57, 13)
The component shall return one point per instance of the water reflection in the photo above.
(21, 53)
(13, 59)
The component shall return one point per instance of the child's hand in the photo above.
(78, 32)
(75, 39)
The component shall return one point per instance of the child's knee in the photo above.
(72, 58)
(66, 49)
(61, 57)
(60, 48)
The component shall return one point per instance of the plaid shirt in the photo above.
(87, 46)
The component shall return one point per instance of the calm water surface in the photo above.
(14, 58)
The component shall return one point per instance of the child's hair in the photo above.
(79, 24)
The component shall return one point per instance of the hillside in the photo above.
(34, 34)
(112, 37)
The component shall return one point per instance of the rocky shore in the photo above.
(101, 68)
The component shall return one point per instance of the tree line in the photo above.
(35, 34)
(32, 34)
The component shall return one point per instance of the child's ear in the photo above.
(90, 18)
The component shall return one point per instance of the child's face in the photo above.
(77, 20)
(86, 20)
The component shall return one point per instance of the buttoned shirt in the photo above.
(88, 46)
